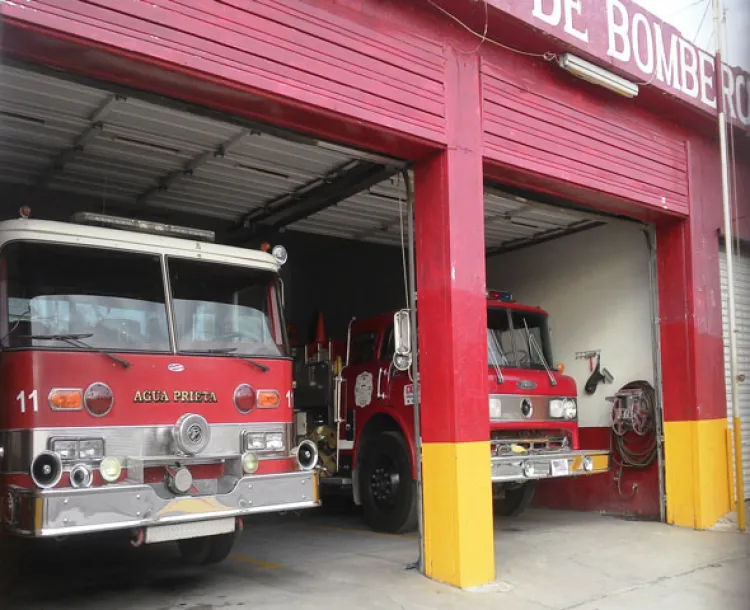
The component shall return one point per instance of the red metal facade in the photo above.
(392, 76)
(538, 122)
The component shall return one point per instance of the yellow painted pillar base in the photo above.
(458, 525)
(697, 472)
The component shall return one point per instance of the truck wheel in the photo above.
(206, 549)
(516, 500)
(387, 490)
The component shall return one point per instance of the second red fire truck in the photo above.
(354, 400)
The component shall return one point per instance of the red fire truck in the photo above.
(354, 401)
(145, 385)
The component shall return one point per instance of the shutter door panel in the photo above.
(742, 314)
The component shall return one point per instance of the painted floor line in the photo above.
(253, 561)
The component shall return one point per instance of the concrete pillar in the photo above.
(696, 445)
(452, 320)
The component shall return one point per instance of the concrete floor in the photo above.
(545, 560)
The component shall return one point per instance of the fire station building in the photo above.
(565, 151)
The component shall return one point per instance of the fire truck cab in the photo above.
(145, 385)
(354, 400)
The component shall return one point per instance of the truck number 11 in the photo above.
(33, 397)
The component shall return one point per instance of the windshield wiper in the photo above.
(496, 355)
(76, 340)
(533, 344)
(229, 351)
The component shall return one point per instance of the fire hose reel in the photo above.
(631, 412)
(634, 426)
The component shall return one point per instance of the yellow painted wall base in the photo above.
(697, 472)
(458, 524)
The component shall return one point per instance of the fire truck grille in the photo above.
(506, 445)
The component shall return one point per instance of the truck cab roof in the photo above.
(376, 322)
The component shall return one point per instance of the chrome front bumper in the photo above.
(530, 467)
(64, 512)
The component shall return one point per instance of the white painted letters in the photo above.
(742, 93)
(708, 94)
(641, 27)
(667, 70)
(646, 48)
(553, 16)
(689, 68)
(617, 26)
(729, 92)
(570, 28)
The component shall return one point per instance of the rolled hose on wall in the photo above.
(638, 450)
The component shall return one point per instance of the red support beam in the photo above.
(449, 222)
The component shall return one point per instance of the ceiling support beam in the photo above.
(187, 170)
(339, 184)
(543, 237)
(94, 128)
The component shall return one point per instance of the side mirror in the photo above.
(402, 340)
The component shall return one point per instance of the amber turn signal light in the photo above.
(268, 399)
(66, 400)
(561, 368)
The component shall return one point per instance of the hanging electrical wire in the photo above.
(548, 56)
(702, 21)
(685, 8)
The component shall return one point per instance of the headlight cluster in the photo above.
(563, 408)
(270, 442)
(496, 408)
(78, 449)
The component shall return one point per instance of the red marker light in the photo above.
(244, 398)
(98, 399)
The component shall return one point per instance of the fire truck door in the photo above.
(362, 385)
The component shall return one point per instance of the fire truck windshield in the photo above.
(64, 297)
(225, 309)
(508, 343)
(114, 299)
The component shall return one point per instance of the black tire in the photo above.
(387, 489)
(516, 500)
(207, 549)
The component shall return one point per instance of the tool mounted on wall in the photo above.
(589, 355)
(600, 375)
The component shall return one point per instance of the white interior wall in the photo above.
(595, 287)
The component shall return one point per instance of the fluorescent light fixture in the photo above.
(596, 75)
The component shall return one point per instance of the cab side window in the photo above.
(388, 349)
(363, 348)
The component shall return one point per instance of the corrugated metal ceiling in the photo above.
(74, 138)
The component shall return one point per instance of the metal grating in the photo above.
(66, 136)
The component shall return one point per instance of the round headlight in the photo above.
(570, 409)
(279, 253)
(249, 462)
(110, 469)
